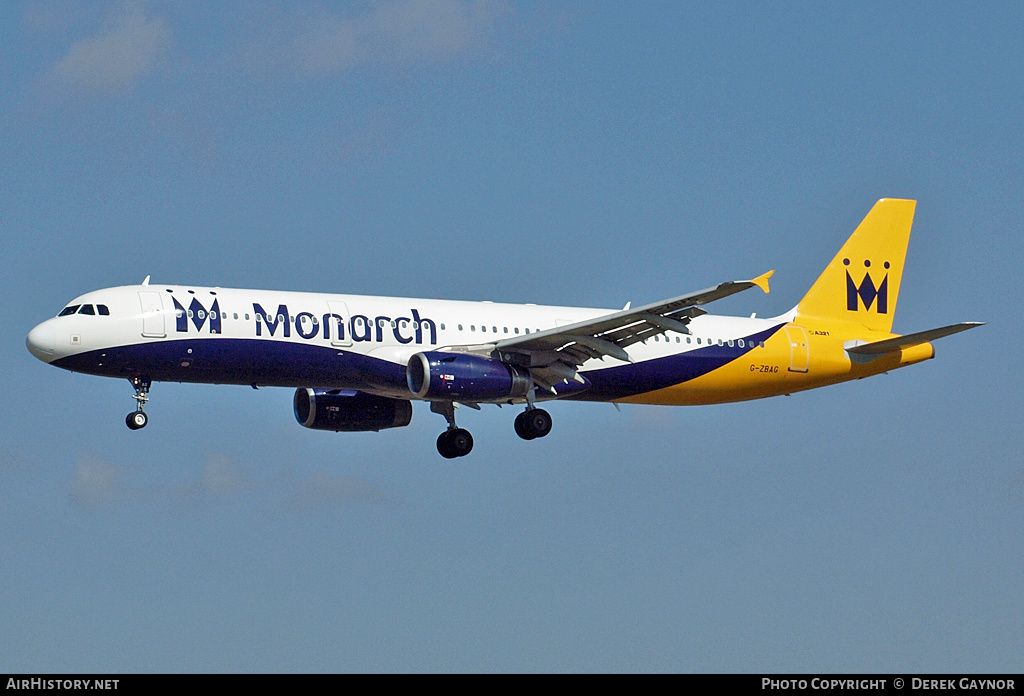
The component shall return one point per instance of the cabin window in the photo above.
(741, 343)
(506, 329)
(517, 329)
(472, 327)
(442, 327)
(483, 329)
(460, 327)
(494, 329)
(731, 343)
(236, 315)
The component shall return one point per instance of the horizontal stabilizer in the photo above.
(891, 345)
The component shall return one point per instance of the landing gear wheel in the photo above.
(462, 442)
(137, 419)
(454, 443)
(444, 445)
(520, 426)
(536, 422)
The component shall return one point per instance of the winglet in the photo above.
(762, 281)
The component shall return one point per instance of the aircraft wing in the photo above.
(554, 354)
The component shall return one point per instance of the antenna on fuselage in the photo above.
(146, 281)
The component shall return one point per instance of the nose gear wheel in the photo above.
(138, 419)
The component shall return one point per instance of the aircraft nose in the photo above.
(42, 341)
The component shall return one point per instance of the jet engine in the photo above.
(465, 377)
(349, 411)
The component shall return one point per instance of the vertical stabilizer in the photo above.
(863, 281)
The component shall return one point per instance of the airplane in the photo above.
(358, 362)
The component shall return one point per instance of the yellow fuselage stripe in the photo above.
(797, 357)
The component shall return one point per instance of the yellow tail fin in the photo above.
(863, 281)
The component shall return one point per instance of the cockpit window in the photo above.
(87, 309)
(69, 310)
(103, 310)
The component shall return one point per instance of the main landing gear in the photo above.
(455, 441)
(138, 418)
(533, 423)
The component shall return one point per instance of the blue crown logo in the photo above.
(867, 291)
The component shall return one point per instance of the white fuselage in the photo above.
(298, 339)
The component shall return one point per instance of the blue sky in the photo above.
(572, 153)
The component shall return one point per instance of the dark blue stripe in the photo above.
(272, 363)
(650, 375)
(243, 361)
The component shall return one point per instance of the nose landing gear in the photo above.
(138, 418)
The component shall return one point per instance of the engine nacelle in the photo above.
(349, 411)
(464, 377)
